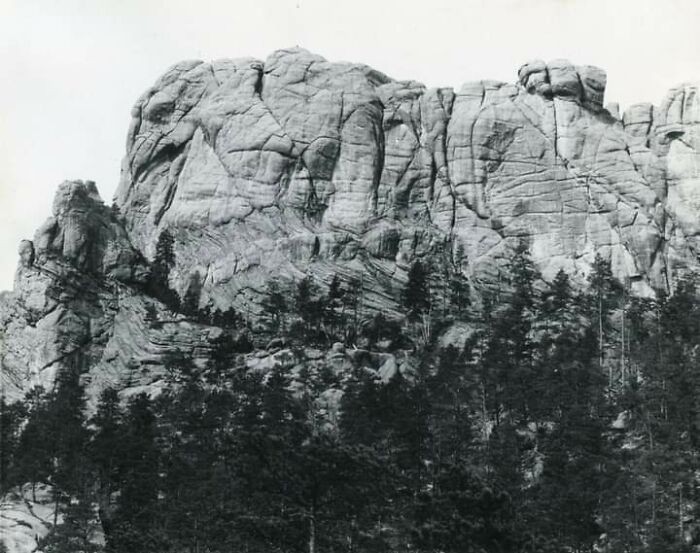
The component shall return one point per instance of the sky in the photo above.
(73, 69)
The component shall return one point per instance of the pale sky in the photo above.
(73, 69)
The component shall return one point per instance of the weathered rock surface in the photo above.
(296, 166)
(78, 295)
(26, 518)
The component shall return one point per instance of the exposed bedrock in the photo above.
(297, 165)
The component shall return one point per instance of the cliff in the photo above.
(297, 166)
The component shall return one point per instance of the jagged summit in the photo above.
(298, 166)
(560, 78)
(311, 160)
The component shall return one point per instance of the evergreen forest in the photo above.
(538, 417)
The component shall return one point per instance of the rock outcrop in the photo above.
(26, 518)
(297, 166)
(79, 295)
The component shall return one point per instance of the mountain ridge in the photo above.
(297, 167)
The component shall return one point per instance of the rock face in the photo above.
(296, 166)
(79, 295)
(26, 518)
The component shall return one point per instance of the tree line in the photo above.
(565, 419)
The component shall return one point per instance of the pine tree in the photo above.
(69, 436)
(353, 305)
(573, 480)
(309, 309)
(405, 413)
(571, 442)
(191, 464)
(179, 367)
(34, 453)
(275, 307)
(360, 409)
(228, 319)
(557, 301)
(509, 351)
(12, 418)
(522, 276)
(78, 531)
(416, 293)
(105, 451)
(135, 526)
(605, 296)
(164, 259)
(334, 316)
(464, 514)
(159, 275)
(450, 392)
(379, 328)
(190, 302)
(561, 330)
(458, 510)
(460, 300)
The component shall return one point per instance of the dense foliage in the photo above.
(555, 421)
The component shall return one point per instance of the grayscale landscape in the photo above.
(332, 311)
